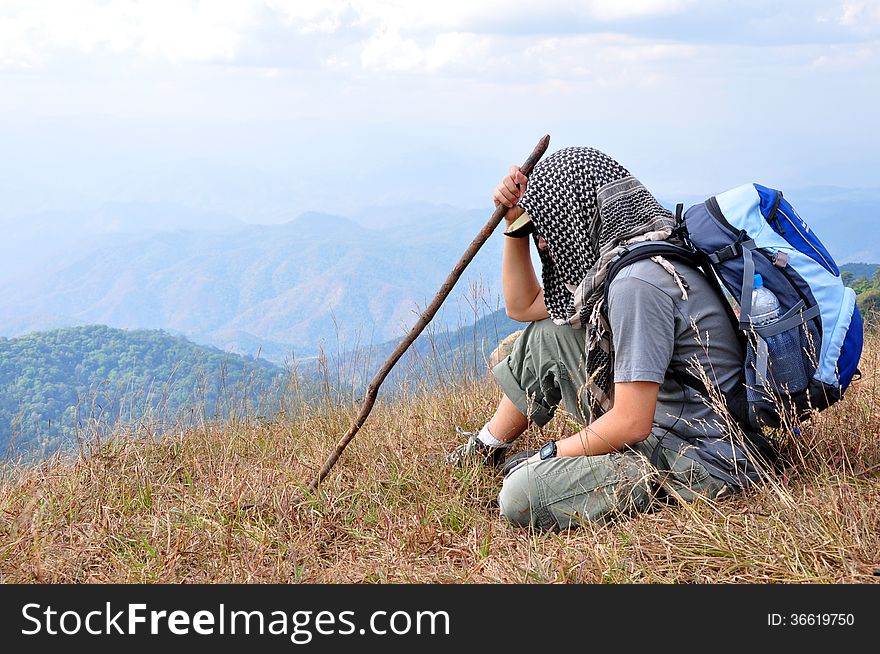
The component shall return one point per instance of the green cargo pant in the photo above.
(546, 368)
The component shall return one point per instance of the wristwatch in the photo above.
(548, 451)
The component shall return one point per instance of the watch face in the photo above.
(548, 451)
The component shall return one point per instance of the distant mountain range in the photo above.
(863, 270)
(438, 354)
(35, 243)
(318, 282)
(845, 219)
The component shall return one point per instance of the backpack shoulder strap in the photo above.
(687, 254)
(709, 274)
(630, 254)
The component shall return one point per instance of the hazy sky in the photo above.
(267, 108)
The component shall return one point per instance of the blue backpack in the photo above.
(805, 359)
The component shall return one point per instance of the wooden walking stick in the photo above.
(424, 319)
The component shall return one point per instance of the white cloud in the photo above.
(308, 17)
(177, 31)
(457, 49)
(445, 74)
(606, 59)
(15, 49)
(492, 15)
(490, 38)
(387, 50)
(202, 30)
(621, 58)
(620, 10)
(860, 14)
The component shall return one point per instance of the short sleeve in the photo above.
(643, 328)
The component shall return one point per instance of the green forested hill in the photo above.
(57, 384)
(864, 279)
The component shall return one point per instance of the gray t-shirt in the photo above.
(656, 331)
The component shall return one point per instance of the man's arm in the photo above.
(628, 422)
(643, 327)
(523, 295)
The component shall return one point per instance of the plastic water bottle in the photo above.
(785, 350)
(765, 306)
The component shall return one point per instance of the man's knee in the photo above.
(516, 497)
(547, 331)
(554, 346)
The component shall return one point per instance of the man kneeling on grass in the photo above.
(618, 368)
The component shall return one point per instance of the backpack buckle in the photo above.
(726, 253)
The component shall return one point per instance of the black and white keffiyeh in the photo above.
(586, 206)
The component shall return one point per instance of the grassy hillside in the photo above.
(56, 386)
(225, 503)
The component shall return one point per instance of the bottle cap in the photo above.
(759, 281)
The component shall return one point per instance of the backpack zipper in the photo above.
(793, 223)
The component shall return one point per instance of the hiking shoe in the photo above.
(473, 449)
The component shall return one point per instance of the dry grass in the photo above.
(223, 503)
